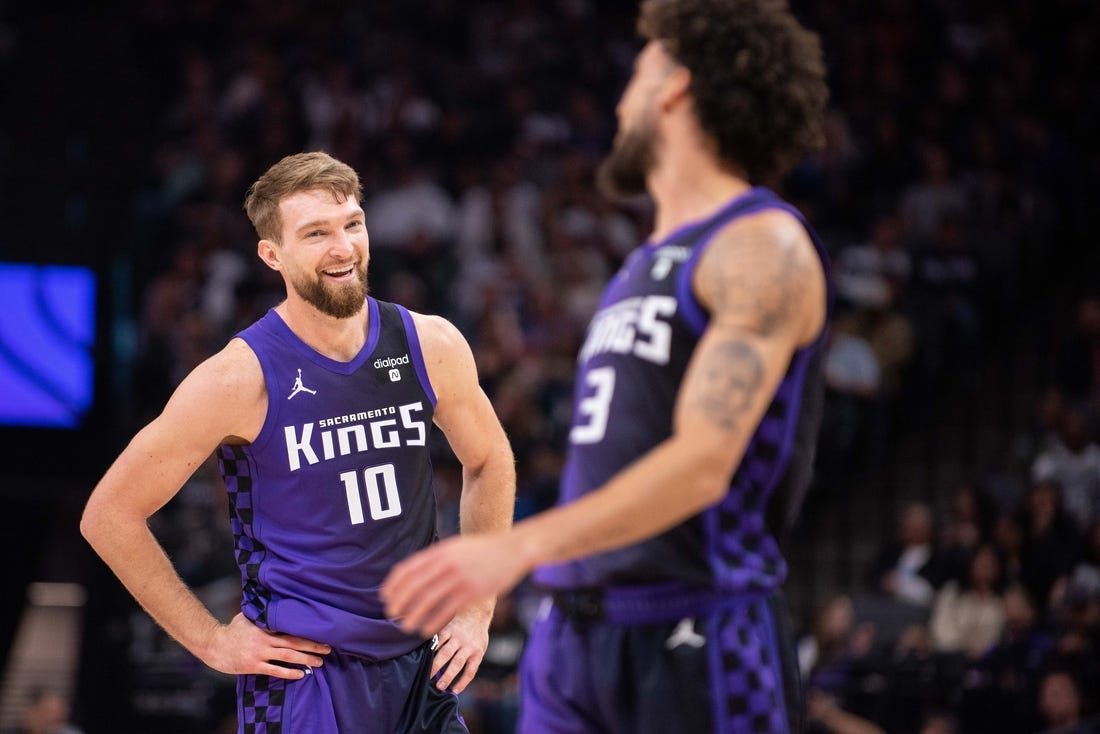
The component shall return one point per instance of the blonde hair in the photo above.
(295, 173)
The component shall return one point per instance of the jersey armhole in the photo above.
(271, 414)
(692, 312)
(415, 353)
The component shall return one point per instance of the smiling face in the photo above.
(323, 253)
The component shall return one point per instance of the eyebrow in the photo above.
(357, 214)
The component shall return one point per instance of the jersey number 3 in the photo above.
(594, 409)
(382, 496)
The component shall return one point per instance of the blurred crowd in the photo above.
(954, 194)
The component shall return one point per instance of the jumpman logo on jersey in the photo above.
(685, 634)
(299, 387)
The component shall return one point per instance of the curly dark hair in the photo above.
(757, 77)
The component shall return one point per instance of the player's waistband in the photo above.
(648, 604)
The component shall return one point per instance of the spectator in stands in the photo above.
(968, 616)
(872, 279)
(908, 569)
(853, 384)
(875, 272)
(47, 712)
(1041, 434)
(892, 339)
(498, 235)
(1008, 538)
(1073, 462)
(913, 681)
(1060, 701)
(1000, 689)
(1086, 574)
(934, 197)
(1078, 645)
(1075, 602)
(971, 515)
(836, 651)
(1051, 541)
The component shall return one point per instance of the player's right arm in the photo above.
(223, 399)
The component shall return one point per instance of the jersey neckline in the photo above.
(683, 229)
(374, 332)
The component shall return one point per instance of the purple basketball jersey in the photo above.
(629, 372)
(337, 486)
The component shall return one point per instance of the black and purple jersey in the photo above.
(337, 486)
(630, 367)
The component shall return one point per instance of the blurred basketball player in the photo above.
(697, 404)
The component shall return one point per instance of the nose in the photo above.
(342, 245)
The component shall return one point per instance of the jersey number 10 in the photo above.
(382, 496)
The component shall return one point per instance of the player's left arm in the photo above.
(762, 283)
(466, 417)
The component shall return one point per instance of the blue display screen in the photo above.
(47, 340)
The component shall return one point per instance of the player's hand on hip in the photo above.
(241, 647)
(426, 590)
(460, 648)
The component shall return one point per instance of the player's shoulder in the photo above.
(447, 358)
(438, 336)
(236, 360)
(233, 373)
(772, 231)
(764, 270)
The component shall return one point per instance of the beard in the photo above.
(339, 301)
(622, 175)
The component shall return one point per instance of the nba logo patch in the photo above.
(395, 375)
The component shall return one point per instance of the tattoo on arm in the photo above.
(731, 373)
(757, 279)
(769, 292)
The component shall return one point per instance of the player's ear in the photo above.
(269, 253)
(675, 87)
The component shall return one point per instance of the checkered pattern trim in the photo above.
(750, 670)
(250, 552)
(262, 699)
(747, 556)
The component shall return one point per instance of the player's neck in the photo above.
(688, 187)
(338, 339)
